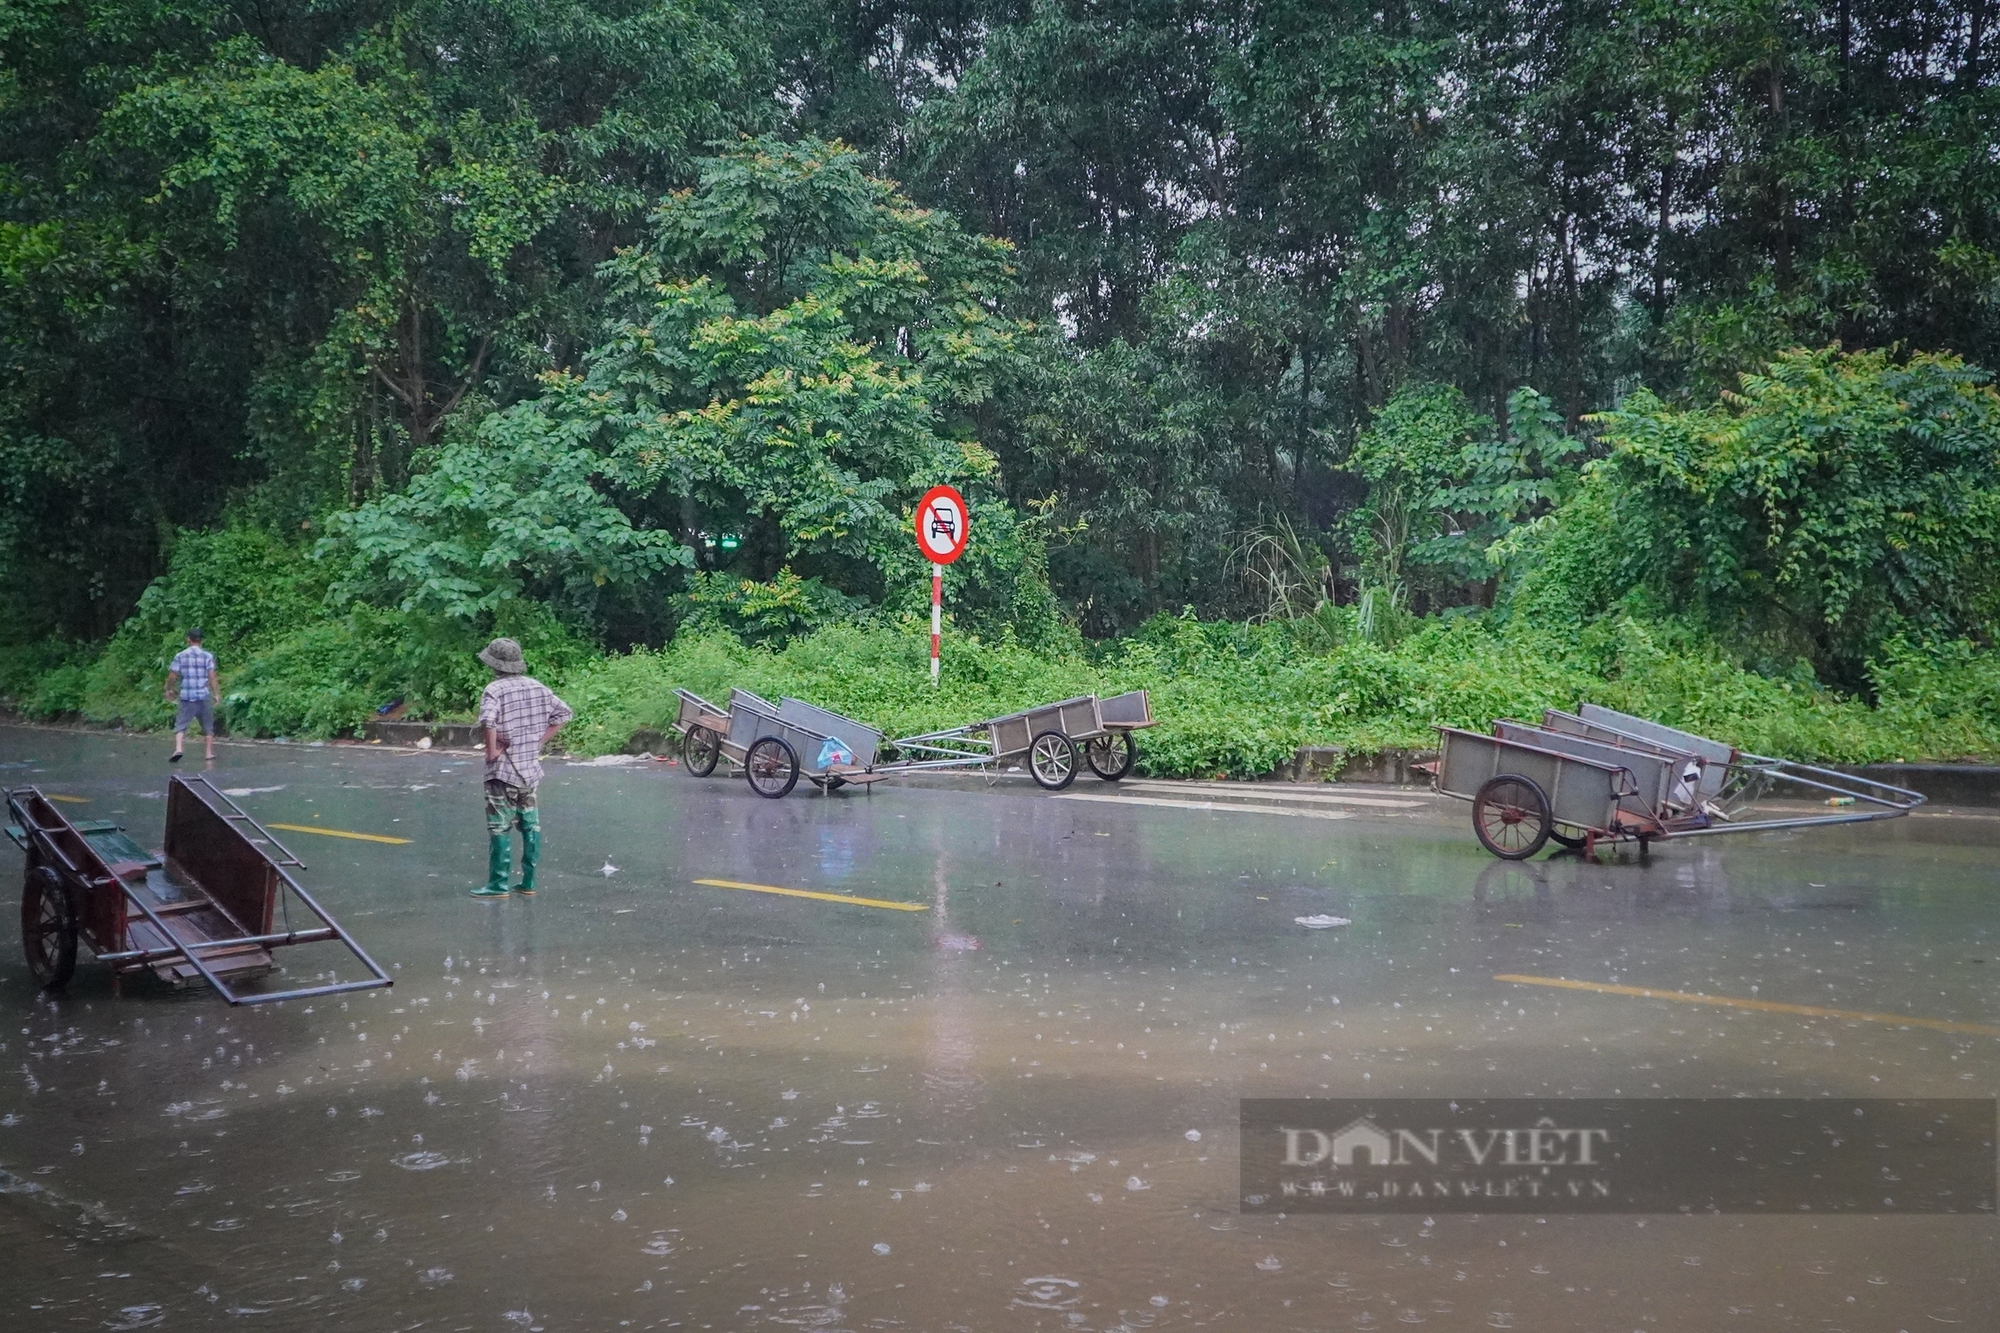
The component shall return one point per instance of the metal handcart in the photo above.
(701, 726)
(1051, 737)
(774, 745)
(1598, 775)
(207, 907)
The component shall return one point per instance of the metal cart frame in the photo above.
(774, 745)
(1052, 736)
(1598, 775)
(206, 908)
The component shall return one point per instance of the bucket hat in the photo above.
(504, 656)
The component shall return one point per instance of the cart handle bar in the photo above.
(181, 948)
(1842, 784)
(379, 977)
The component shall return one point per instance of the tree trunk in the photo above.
(1302, 425)
(1663, 227)
(405, 374)
(361, 472)
(1781, 198)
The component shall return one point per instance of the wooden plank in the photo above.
(163, 909)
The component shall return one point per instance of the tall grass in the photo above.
(1231, 698)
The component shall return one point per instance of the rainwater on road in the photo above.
(639, 1101)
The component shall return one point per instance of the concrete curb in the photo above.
(450, 735)
(1333, 763)
(1946, 784)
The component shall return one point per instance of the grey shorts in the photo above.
(193, 709)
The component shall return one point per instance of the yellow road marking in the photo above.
(808, 893)
(73, 800)
(339, 833)
(1765, 1006)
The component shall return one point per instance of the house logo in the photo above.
(1361, 1136)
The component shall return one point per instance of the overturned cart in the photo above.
(1049, 739)
(774, 745)
(211, 906)
(1595, 775)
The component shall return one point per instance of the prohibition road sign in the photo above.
(942, 523)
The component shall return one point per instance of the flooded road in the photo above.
(638, 1100)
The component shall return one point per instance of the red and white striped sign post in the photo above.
(943, 523)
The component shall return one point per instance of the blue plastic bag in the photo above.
(833, 752)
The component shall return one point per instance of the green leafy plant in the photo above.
(1834, 503)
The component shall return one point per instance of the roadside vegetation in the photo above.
(1325, 406)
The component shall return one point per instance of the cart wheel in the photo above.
(772, 767)
(1111, 755)
(1510, 815)
(1573, 840)
(701, 748)
(1052, 760)
(48, 927)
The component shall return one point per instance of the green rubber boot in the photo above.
(499, 860)
(531, 851)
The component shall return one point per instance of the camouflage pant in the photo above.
(507, 806)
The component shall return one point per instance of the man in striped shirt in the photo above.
(193, 682)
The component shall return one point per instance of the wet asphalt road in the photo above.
(638, 1101)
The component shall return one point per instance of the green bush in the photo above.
(1837, 503)
(45, 679)
(289, 667)
(1231, 698)
(244, 588)
(329, 677)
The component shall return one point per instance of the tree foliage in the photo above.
(792, 355)
(611, 315)
(254, 259)
(1837, 502)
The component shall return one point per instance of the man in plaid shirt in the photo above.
(520, 715)
(191, 676)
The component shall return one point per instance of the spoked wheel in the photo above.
(1567, 835)
(48, 927)
(1111, 755)
(700, 749)
(771, 767)
(1052, 760)
(1510, 815)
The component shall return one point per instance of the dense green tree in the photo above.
(1838, 502)
(275, 262)
(258, 256)
(794, 353)
(1333, 200)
